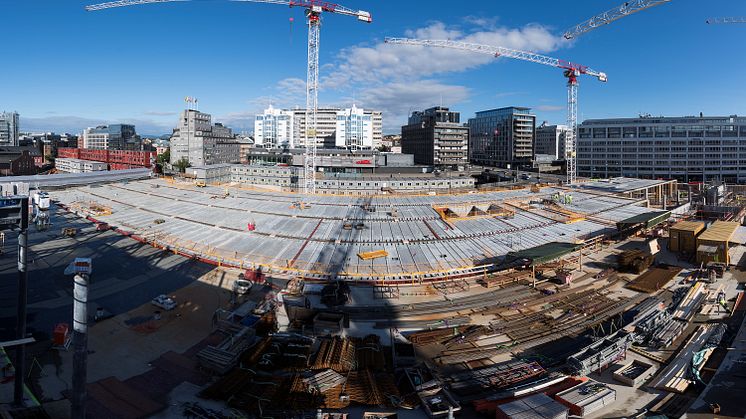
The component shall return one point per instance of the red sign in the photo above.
(363, 162)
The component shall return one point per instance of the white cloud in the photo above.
(382, 61)
(550, 108)
(399, 78)
(160, 113)
(398, 99)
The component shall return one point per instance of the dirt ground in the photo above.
(124, 346)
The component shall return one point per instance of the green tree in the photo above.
(182, 164)
(165, 157)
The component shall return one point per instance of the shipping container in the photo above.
(682, 237)
(713, 244)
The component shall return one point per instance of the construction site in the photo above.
(562, 300)
(209, 294)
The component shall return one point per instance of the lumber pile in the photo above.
(690, 304)
(336, 353)
(369, 354)
(676, 377)
(425, 337)
(324, 381)
(365, 387)
(223, 357)
(635, 261)
(494, 377)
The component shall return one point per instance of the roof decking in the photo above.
(719, 231)
(315, 240)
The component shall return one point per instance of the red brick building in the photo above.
(117, 159)
(18, 161)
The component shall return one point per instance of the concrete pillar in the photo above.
(80, 342)
(20, 362)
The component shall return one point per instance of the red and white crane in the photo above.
(313, 10)
(571, 71)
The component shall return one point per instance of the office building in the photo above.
(9, 129)
(201, 142)
(689, 149)
(502, 137)
(436, 137)
(274, 128)
(110, 137)
(354, 129)
(550, 140)
(286, 128)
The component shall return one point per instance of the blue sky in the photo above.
(63, 68)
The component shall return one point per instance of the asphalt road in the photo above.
(126, 274)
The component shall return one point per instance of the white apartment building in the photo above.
(277, 128)
(274, 128)
(689, 149)
(550, 140)
(79, 166)
(201, 142)
(354, 129)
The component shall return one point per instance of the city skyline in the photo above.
(137, 69)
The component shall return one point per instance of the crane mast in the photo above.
(626, 9)
(314, 9)
(571, 71)
(312, 102)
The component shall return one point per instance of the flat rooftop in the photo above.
(324, 240)
(621, 184)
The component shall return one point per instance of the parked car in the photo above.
(242, 286)
(164, 302)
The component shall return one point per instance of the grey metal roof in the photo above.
(315, 240)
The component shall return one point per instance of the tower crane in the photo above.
(725, 20)
(313, 10)
(571, 71)
(626, 9)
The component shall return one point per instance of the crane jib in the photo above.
(324, 5)
(567, 65)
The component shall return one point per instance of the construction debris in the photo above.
(635, 261)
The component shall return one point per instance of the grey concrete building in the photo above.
(9, 129)
(689, 149)
(203, 143)
(436, 137)
(550, 140)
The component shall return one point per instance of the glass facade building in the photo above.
(502, 137)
